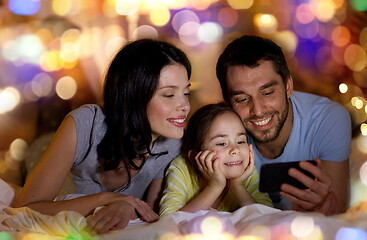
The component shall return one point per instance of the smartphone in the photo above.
(272, 175)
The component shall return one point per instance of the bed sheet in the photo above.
(251, 222)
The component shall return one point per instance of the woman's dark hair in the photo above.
(196, 133)
(250, 51)
(130, 83)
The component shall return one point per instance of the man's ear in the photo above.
(289, 86)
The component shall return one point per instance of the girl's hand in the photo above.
(248, 170)
(209, 167)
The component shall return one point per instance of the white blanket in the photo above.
(255, 220)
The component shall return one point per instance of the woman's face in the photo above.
(169, 106)
(227, 137)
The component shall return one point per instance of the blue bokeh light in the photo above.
(24, 7)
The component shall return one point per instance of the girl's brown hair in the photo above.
(197, 129)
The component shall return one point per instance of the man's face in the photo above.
(259, 96)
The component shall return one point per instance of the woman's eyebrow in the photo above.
(174, 86)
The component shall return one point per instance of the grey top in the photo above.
(91, 128)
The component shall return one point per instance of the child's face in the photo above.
(227, 137)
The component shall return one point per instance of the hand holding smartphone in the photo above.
(275, 174)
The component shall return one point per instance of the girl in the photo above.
(117, 153)
(216, 169)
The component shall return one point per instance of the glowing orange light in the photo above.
(340, 36)
(227, 17)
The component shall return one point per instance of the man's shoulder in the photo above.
(308, 105)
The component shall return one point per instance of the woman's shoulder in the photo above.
(87, 110)
(169, 145)
(88, 115)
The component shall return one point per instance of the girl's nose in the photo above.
(234, 150)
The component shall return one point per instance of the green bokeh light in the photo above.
(5, 236)
(359, 5)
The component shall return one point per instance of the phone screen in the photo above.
(275, 174)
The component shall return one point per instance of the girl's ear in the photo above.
(190, 154)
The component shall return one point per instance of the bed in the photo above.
(255, 222)
(252, 222)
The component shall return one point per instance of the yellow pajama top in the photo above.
(180, 189)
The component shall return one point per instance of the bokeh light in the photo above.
(62, 7)
(266, 23)
(42, 84)
(5, 236)
(363, 129)
(361, 143)
(28, 93)
(306, 31)
(182, 17)
(145, 31)
(160, 16)
(109, 8)
(66, 87)
(355, 57)
(359, 5)
(240, 4)
(18, 149)
(316, 234)
(302, 226)
(227, 17)
(324, 10)
(200, 4)
(50, 61)
(211, 226)
(338, 54)
(170, 236)
(9, 99)
(127, 7)
(363, 169)
(188, 33)
(280, 232)
(249, 238)
(29, 48)
(24, 7)
(287, 40)
(26, 48)
(341, 36)
(304, 13)
(350, 234)
(69, 55)
(358, 103)
(210, 32)
(343, 88)
(261, 231)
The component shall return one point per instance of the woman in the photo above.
(117, 153)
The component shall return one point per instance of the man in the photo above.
(286, 125)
